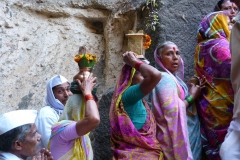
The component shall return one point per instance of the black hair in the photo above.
(219, 5)
(8, 139)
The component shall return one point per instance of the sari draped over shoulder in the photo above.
(212, 59)
(127, 142)
(74, 111)
(170, 113)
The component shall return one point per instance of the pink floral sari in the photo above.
(170, 113)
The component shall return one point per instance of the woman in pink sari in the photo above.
(178, 128)
(133, 127)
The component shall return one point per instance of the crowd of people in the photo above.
(197, 120)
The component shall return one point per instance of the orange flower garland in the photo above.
(147, 42)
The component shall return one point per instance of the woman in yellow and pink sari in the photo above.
(213, 60)
(68, 139)
(133, 127)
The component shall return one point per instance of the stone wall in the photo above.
(179, 20)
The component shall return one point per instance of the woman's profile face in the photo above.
(170, 57)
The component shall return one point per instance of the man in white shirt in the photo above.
(19, 138)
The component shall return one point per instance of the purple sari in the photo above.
(126, 141)
(212, 59)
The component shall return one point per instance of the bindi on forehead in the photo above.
(174, 48)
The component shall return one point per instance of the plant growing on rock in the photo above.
(152, 19)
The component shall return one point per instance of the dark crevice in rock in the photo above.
(25, 101)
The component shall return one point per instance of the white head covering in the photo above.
(14, 119)
(50, 98)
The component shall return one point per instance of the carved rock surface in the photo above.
(179, 20)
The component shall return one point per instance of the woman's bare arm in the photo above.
(92, 118)
(150, 74)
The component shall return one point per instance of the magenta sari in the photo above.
(213, 60)
(126, 141)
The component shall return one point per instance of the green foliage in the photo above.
(152, 19)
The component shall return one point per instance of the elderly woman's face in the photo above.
(170, 57)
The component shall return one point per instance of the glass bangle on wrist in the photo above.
(137, 65)
(88, 97)
(189, 99)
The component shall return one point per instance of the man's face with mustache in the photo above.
(31, 145)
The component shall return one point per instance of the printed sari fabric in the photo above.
(212, 59)
(127, 142)
(193, 124)
(170, 113)
(74, 110)
(80, 150)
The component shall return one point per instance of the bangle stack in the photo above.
(137, 65)
(189, 99)
(88, 97)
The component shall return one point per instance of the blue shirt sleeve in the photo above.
(132, 95)
(133, 105)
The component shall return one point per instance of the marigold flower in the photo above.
(89, 56)
(77, 58)
(147, 41)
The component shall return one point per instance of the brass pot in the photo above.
(83, 73)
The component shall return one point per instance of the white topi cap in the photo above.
(13, 119)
